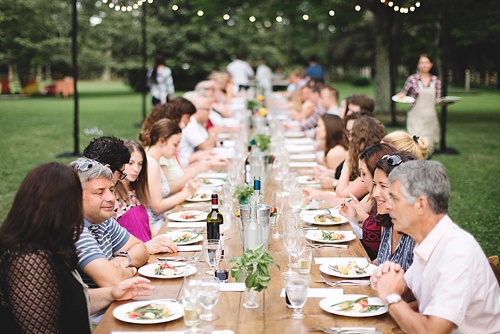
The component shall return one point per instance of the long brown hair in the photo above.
(366, 131)
(164, 128)
(335, 134)
(140, 186)
(48, 211)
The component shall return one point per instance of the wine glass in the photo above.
(300, 246)
(209, 296)
(290, 181)
(296, 289)
(192, 312)
(228, 208)
(277, 202)
(289, 240)
(296, 198)
(213, 252)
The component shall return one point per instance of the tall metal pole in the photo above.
(74, 62)
(144, 60)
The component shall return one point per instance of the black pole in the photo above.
(444, 82)
(144, 60)
(74, 61)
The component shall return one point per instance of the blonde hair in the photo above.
(402, 141)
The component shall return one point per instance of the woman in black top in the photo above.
(40, 289)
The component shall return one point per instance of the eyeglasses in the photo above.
(123, 175)
(392, 160)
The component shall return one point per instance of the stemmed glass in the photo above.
(289, 240)
(296, 198)
(297, 288)
(209, 296)
(277, 202)
(228, 208)
(300, 246)
(192, 309)
(213, 253)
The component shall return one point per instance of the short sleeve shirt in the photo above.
(451, 279)
(192, 135)
(99, 241)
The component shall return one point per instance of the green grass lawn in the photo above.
(37, 130)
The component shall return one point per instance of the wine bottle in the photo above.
(214, 219)
(252, 235)
(258, 197)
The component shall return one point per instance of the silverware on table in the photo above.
(348, 330)
(328, 245)
(342, 282)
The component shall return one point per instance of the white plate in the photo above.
(449, 99)
(176, 235)
(326, 303)
(315, 235)
(211, 182)
(325, 268)
(149, 270)
(304, 179)
(294, 134)
(302, 164)
(197, 197)
(405, 99)
(199, 215)
(121, 312)
(309, 218)
(300, 148)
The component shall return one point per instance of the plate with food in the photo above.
(188, 216)
(348, 268)
(325, 219)
(200, 196)
(354, 306)
(307, 179)
(184, 237)
(404, 99)
(149, 312)
(166, 270)
(209, 182)
(449, 99)
(330, 237)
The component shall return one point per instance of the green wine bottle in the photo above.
(214, 219)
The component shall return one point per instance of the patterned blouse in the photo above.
(412, 86)
(403, 253)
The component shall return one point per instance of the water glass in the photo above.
(209, 296)
(289, 240)
(277, 202)
(305, 260)
(296, 198)
(192, 310)
(300, 246)
(213, 253)
(297, 289)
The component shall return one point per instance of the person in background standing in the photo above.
(264, 77)
(315, 71)
(425, 88)
(161, 81)
(241, 72)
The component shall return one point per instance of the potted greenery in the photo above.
(243, 193)
(253, 267)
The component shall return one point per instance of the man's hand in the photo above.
(161, 244)
(388, 278)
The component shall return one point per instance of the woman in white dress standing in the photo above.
(422, 117)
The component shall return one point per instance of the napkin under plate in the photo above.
(319, 292)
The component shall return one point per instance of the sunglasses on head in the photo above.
(392, 160)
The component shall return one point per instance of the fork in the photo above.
(186, 258)
(329, 245)
(349, 330)
(345, 281)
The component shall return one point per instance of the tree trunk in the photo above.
(382, 28)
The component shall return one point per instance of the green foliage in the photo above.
(263, 142)
(243, 192)
(359, 81)
(253, 266)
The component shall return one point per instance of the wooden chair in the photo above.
(493, 260)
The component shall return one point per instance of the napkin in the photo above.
(303, 156)
(299, 141)
(299, 148)
(187, 224)
(323, 260)
(294, 134)
(212, 175)
(320, 293)
(224, 152)
(226, 287)
(300, 164)
(190, 248)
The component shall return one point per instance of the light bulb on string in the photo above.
(331, 12)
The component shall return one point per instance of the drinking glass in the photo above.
(192, 312)
(209, 296)
(296, 198)
(305, 260)
(296, 289)
(213, 252)
(228, 208)
(277, 202)
(300, 246)
(290, 181)
(289, 240)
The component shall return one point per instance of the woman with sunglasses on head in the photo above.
(132, 197)
(40, 288)
(394, 246)
(164, 142)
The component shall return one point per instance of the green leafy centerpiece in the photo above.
(253, 267)
(242, 193)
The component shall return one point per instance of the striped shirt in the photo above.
(412, 86)
(99, 241)
(403, 253)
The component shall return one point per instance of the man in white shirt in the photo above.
(450, 287)
(195, 136)
(329, 99)
(241, 72)
(264, 77)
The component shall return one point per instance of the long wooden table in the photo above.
(272, 316)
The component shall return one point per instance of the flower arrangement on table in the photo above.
(243, 193)
(257, 106)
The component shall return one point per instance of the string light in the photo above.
(331, 12)
(357, 8)
(175, 7)
(403, 9)
(128, 6)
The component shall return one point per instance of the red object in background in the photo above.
(5, 86)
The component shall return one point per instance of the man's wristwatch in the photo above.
(393, 298)
(125, 254)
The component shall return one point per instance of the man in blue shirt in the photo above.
(315, 71)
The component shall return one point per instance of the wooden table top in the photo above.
(272, 315)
